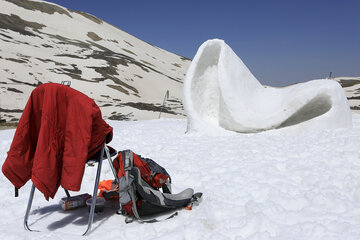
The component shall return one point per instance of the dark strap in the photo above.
(128, 162)
(131, 219)
(166, 187)
(16, 192)
(67, 193)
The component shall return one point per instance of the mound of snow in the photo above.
(220, 92)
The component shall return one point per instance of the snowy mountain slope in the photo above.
(267, 186)
(42, 42)
(351, 86)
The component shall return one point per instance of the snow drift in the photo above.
(220, 92)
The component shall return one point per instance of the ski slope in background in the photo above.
(270, 185)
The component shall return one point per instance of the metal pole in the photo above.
(114, 172)
(92, 209)
(27, 214)
(165, 98)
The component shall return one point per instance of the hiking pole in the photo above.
(165, 98)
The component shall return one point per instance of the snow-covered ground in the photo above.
(269, 185)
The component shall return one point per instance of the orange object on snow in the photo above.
(108, 189)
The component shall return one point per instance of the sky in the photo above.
(281, 41)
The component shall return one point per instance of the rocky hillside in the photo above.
(42, 42)
(351, 86)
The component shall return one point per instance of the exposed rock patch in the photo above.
(40, 6)
(17, 60)
(128, 51)
(26, 83)
(348, 82)
(94, 36)
(149, 107)
(14, 90)
(15, 23)
(88, 16)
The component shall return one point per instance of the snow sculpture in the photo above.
(220, 92)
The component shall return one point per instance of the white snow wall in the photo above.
(220, 92)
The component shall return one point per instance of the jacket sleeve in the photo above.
(18, 164)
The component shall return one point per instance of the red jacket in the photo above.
(59, 130)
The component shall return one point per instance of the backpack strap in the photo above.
(153, 220)
(128, 160)
(167, 186)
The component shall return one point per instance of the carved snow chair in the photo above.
(220, 93)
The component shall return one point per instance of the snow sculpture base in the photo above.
(220, 92)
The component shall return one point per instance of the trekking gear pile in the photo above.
(140, 181)
(60, 131)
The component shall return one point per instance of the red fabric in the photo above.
(157, 181)
(108, 185)
(59, 130)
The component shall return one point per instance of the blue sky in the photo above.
(281, 41)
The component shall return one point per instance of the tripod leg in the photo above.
(114, 172)
(31, 197)
(92, 209)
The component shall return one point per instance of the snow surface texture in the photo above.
(220, 91)
(256, 186)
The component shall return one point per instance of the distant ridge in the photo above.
(351, 87)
